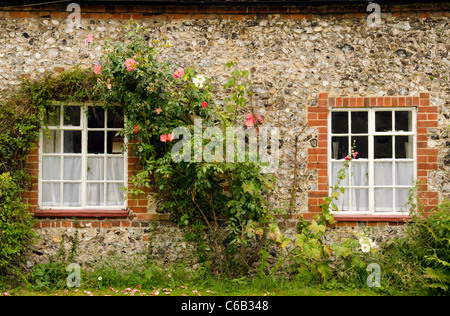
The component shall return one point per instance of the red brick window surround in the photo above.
(318, 156)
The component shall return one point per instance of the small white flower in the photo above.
(198, 81)
(365, 248)
(100, 278)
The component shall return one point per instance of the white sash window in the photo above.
(81, 162)
(385, 166)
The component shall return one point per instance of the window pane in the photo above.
(404, 173)
(72, 115)
(359, 122)
(52, 115)
(382, 147)
(115, 169)
(360, 172)
(51, 168)
(96, 142)
(114, 143)
(114, 194)
(51, 194)
(339, 122)
(403, 147)
(361, 144)
(382, 173)
(51, 142)
(360, 200)
(95, 194)
(339, 147)
(72, 168)
(115, 118)
(383, 121)
(72, 194)
(95, 170)
(401, 199)
(72, 142)
(335, 167)
(343, 201)
(96, 117)
(403, 120)
(383, 200)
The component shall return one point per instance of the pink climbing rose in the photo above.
(130, 63)
(158, 110)
(170, 137)
(178, 73)
(97, 68)
(163, 138)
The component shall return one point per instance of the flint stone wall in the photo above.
(290, 61)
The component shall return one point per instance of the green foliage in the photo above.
(15, 225)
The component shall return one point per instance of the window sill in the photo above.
(371, 218)
(81, 213)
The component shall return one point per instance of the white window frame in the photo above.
(371, 160)
(84, 156)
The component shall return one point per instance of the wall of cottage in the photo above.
(293, 55)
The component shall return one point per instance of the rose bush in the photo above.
(156, 97)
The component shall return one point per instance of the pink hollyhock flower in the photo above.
(136, 129)
(163, 138)
(204, 104)
(178, 73)
(90, 38)
(354, 154)
(170, 138)
(97, 68)
(158, 110)
(130, 63)
(347, 158)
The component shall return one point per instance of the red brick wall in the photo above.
(318, 156)
(219, 11)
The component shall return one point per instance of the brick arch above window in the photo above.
(427, 117)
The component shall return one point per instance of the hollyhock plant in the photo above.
(179, 73)
(130, 63)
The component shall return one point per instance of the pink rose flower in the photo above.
(204, 104)
(97, 68)
(178, 73)
(259, 118)
(130, 63)
(158, 110)
(170, 137)
(163, 138)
